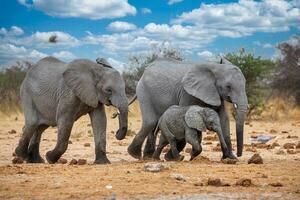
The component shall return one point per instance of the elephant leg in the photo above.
(22, 148)
(148, 126)
(180, 146)
(34, 146)
(192, 137)
(150, 146)
(162, 143)
(64, 125)
(224, 119)
(173, 143)
(98, 120)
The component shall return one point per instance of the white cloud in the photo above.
(205, 55)
(14, 31)
(64, 55)
(171, 2)
(244, 17)
(146, 11)
(267, 46)
(10, 51)
(91, 9)
(120, 26)
(120, 66)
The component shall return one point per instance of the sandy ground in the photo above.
(126, 178)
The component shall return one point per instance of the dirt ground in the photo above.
(125, 178)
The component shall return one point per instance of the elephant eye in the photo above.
(108, 90)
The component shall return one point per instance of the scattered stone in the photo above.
(279, 151)
(217, 148)
(289, 145)
(62, 161)
(276, 184)
(214, 182)
(207, 143)
(198, 184)
(274, 144)
(154, 167)
(73, 162)
(178, 177)
(70, 142)
(213, 137)
(244, 182)
(255, 159)
(12, 131)
(273, 131)
(251, 149)
(81, 161)
(298, 145)
(291, 151)
(17, 160)
(229, 161)
(188, 150)
(109, 187)
(87, 144)
(292, 136)
(284, 132)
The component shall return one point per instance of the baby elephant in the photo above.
(186, 123)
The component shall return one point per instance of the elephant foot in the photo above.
(20, 152)
(52, 157)
(135, 151)
(35, 159)
(169, 156)
(147, 157)
(102, 161)
(229, 155)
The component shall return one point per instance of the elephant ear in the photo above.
(225, 61)
(79, 77)
(200, 83)
(194, 119)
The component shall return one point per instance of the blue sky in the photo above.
(117, 29)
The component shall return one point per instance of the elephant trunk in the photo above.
(123, 120)
(240, 118)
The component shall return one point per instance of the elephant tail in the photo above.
(157, 127)
(132, 100)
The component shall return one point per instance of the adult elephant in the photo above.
(168, 82)
(55, 93)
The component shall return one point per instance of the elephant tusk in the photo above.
(248, 106)
(235, 105)
(115, 114)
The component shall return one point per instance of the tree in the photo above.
(138, 64)
(287, 76)
(256, 71)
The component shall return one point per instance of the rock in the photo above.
(289, 145)
(17, 160)
(276, 184)
(229, 161)
(188, 150)
(292, 136)
(279, 151)
(274, 144)
(244, 182)
(291, 151)
(255, 159)
(12, 131)
(70, 142)
(154, 167)
(178, 177)
(214, 182)
(73, 162)
(81, 161)
(298, 145)
(87, 144)
(62, 161)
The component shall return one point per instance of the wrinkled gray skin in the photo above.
(55, 93)
(187, 123)
(168, 82)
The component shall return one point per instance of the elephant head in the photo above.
(93, 83)
(212, 83)
(194, 118)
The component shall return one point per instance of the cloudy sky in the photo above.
(117, 29)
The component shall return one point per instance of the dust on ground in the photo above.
(125, 178)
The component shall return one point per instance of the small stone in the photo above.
(73, 162)
(198, 184)
(17, 160)
(178, 177)
(81, 161)
(276, 184)
(70, 142)
(87, 144)
(62, 161)
(188, 150)
(291, 151)
(214, 182)
(154, 167)
(255, 159)
(291, 136)
(12, 131)
(275, 144)
(289, 145)
(279, 151)
(273, 131)
(244, 182)
(229, 161)
(284, 132)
